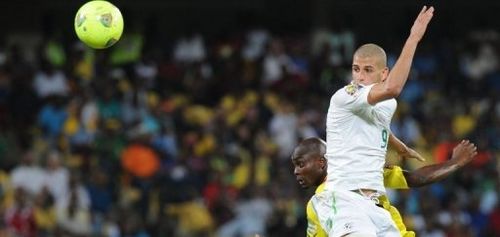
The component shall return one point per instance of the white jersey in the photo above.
(357, 136)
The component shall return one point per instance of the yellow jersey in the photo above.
(393, 178)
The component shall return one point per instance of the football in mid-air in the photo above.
(99, 24)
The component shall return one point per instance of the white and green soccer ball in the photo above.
(99, 24)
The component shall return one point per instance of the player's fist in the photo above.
(464, 152)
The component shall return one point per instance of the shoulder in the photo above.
(320, 188)
(352, 89)
(347, 93)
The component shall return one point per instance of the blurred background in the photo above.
(185, 127)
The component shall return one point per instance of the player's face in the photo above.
(309, 169)
(368, 70)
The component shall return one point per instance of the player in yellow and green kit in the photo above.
(310, 169)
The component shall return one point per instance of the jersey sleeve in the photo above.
(394, 178)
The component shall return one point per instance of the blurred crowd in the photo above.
(193, 137)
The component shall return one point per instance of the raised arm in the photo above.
(463, 153)
(392, 86)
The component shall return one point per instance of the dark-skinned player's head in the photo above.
(309, 162)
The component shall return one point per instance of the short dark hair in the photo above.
(310, 145)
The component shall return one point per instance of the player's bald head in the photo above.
(372, 51)
(310, 146)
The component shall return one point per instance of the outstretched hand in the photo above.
(464, 152)
(419, 27)
(411, 154)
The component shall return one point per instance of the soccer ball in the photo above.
(99, 24)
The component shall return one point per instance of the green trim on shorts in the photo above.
(334, 204)
(329, 222)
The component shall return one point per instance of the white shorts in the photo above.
(342, 212)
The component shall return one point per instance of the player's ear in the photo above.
(322, 162)
(385, 73)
